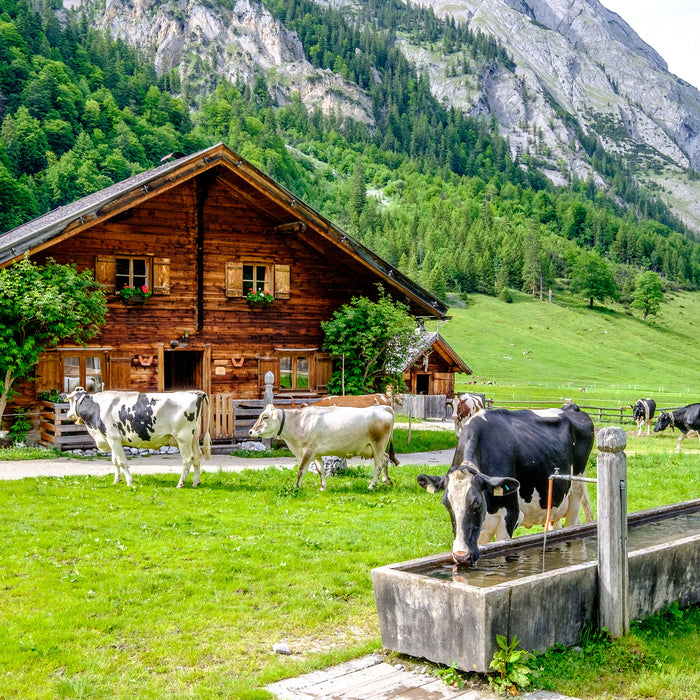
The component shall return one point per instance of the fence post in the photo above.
(268, 398)
(612, 531)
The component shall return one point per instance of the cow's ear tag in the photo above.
(430, 488)
(498, 491)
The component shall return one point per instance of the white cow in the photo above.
(464, 408)
(342, 431)
(117, 418)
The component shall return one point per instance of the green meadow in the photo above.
(537, 350)
(155, 592)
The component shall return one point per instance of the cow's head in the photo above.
(466, 491)
(73, 400)
(663, 421)
(269, 423)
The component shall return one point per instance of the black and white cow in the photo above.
(117, 418)
(499, 476)
(686, 419)
(643, 412)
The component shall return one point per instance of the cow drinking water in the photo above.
(117, 418)
(499, 476)
(686, 419)
(314, 432)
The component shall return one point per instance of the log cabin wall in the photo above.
(191, 235)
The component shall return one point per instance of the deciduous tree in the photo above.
(373, 337)
(41, 305)
(648, 293)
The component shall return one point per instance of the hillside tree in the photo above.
(40, 306)
(369, 341)
(648, 293)
(591, 277)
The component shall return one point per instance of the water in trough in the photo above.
(494, 569)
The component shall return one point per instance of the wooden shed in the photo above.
(200, 232)
(431, 366)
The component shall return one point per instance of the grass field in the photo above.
(154, 592)
(541, 351)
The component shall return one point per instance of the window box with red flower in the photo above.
(259, 299)
(134, 295)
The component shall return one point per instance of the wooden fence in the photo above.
(55, 430)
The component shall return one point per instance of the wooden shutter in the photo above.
(106, 271)
(282, 281)
(324, 370)
(234, 279)
(48, 372)
(119, 372)
(161, 275)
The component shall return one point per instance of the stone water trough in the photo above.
(429, 609)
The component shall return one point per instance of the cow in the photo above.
(499, 477)
(643, 412)
(686, 419)
(117, 418)
(467, 405)
(360, 401)
(342, 431)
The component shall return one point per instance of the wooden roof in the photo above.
(261, 193)
(435, 340)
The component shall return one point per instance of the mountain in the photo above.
(574, 89)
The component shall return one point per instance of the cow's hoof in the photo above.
(180, 484)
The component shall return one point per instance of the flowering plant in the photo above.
(259, 298)
(127, 293)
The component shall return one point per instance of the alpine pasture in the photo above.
(153, 591)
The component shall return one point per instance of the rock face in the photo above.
(578, 66)
(207, 41)
(577, 56)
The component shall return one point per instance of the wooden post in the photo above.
(268, 397)
(612, 531)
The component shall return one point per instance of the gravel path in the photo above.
(171, 464)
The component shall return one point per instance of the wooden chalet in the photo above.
(200, 232)
(431, 366)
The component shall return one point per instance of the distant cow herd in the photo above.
(499, 475)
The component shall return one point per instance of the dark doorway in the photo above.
(422, 384)
(182, 370)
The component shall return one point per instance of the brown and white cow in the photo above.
(318, 431)
(361, 401)
(117, 418)
(463, 408)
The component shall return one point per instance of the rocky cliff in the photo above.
(578, 69)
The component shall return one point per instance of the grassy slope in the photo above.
(605, 350)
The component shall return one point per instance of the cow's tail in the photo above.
(206, 415)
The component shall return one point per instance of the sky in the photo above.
(670, 27)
